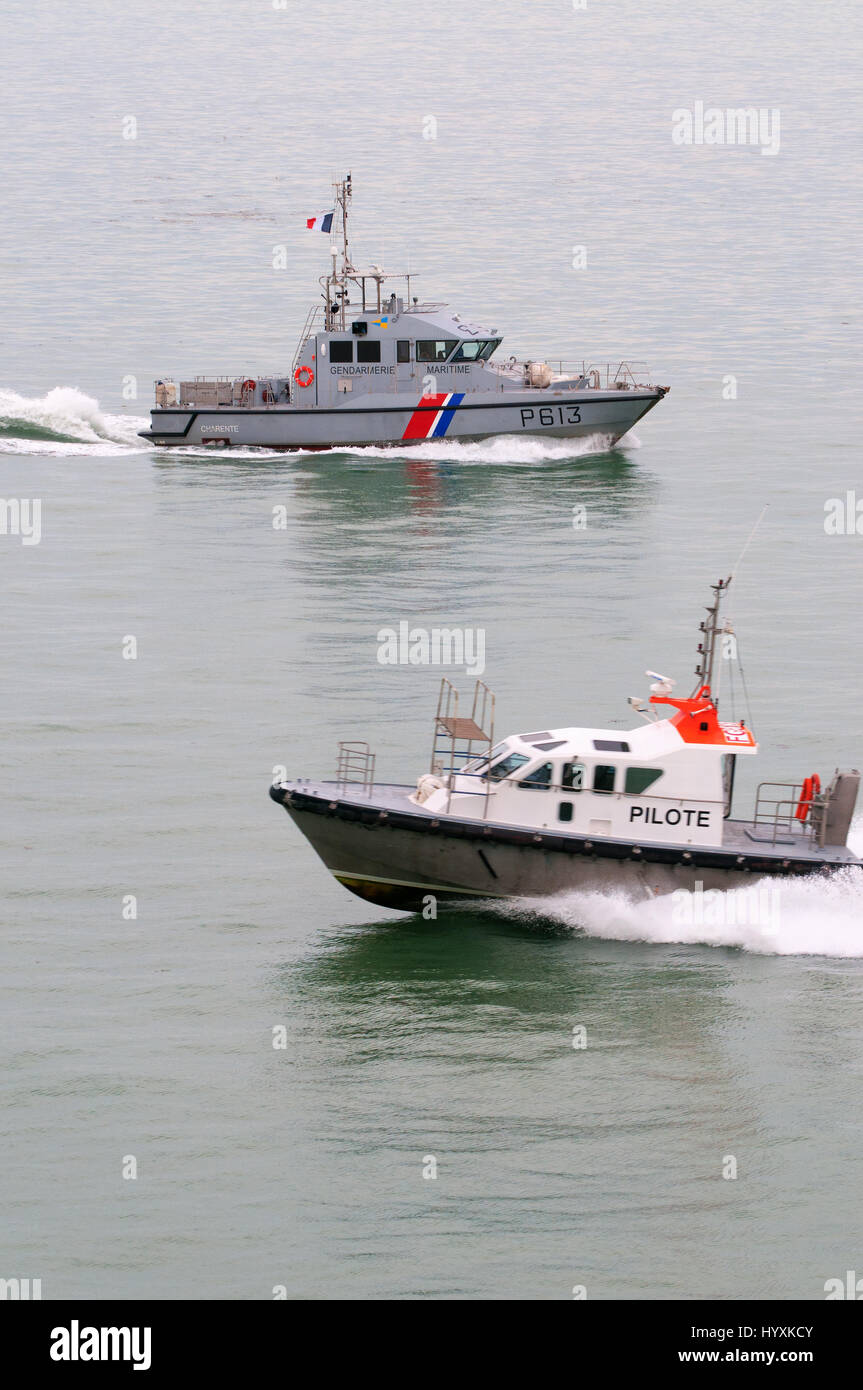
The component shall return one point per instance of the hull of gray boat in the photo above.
(391, 853)
(576, 415)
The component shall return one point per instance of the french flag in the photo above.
(322, 223)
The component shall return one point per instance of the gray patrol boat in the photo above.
(646, 809)
(375, 366)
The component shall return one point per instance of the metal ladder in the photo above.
(306, 334)
(455, 734)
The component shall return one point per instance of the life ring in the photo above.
(304, 376)
(811, 788)
(248, 386)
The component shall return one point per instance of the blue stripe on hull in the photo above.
(445, 420)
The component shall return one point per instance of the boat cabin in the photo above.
(670, 779)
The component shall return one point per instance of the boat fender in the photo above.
(811, 787)
(304, 376)
(427, 784)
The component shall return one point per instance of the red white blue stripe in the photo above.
(433, 416)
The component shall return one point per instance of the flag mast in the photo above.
(343, 196)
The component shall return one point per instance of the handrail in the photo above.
(784, 819)
(355, 757)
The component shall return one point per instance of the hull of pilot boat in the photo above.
(396, 856)
(534, 413)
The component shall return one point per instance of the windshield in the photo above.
(479, 764)
(471, 351)
(507, 765)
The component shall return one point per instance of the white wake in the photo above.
(813, 916)
(65, 421)
(502, 449)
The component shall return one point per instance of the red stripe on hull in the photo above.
(423, 417)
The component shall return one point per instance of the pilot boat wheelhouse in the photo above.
(375, 365)
(537, 813)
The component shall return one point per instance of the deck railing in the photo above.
(778, 814)
(355, 767)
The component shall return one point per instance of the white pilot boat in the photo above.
(649, 809)
(376, 366)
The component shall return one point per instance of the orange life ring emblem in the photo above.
(811, 788)
(304, 376)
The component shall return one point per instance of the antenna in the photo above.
(764, 511)
(338, 278)
(711, 627)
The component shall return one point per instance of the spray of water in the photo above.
(813, 916)
(65, 421)
(502, 449)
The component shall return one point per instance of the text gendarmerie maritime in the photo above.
(381, 370)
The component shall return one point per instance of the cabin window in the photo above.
(610, 745)
(341, 351)
(507, 765)
(490, 347)
(403, 350)
(564, 810)
(539, 779)
(369, 351)
(470, 351)
(435, 349)
(477, 765)
(638, 779)
(603, 778)
(729, 762)
(573, 776)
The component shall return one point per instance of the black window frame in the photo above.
(656, 772)
(369, 351)
(403, 350)
(566, 775)
(600, 768)
(341, 350)
(433, 342)
(530, 785)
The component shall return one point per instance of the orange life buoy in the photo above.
(248, 385)
(811, 788)
(304, 376)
